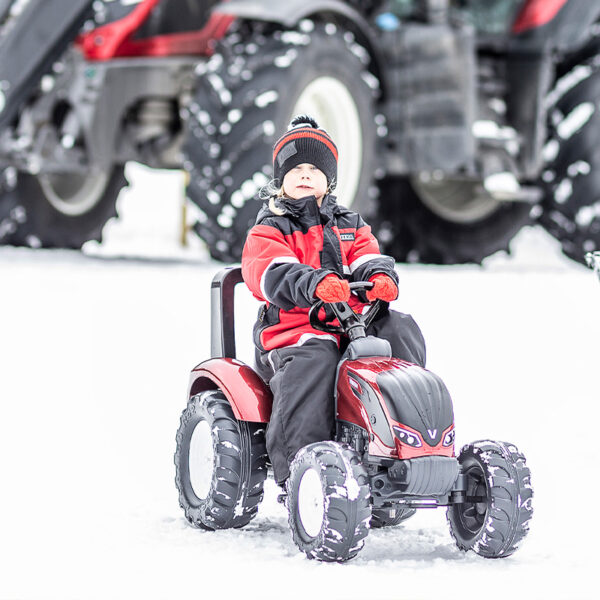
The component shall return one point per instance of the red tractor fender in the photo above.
(117, 39)
(536, 13)
(249, 396)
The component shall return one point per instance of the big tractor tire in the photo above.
(9, 10)
(495, 516)
(57, 210)
(571, 179)
(220, 464)
(10, 213)
(247, 94)
(444, 222)
(54, 210)
(328, 501)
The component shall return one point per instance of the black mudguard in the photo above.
(291, 12)
(40, 34)
(288, 13)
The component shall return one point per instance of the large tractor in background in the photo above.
(458, 121)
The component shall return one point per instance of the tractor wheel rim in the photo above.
(201, 459)
(74, 194)
(473, 514)
(311, 503)
(329, 101)
(457, 201)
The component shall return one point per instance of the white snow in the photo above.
(586, 214)
(575, 120)
(266, 98)
(567, 82)
(579, 167)
(563, 191)
(94, 363)
(285, 60)
(551, 150)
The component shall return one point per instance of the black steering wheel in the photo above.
(351, 323)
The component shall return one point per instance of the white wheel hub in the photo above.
(311, 502)
(201, 459)
(74, 194)
(330, 102)
(461, 202)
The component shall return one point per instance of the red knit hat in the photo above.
(305, 142)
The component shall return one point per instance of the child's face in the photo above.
(305, 180)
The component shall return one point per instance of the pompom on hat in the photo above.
(305, 142)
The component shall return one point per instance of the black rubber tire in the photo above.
(6, 17)
(346, 492)
(11, 215)
(571, 180)
(228, 151)
(494, 528)
(239, 467)
(31, 220)
(380, 517)
(410, 232)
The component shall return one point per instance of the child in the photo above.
(305, 247)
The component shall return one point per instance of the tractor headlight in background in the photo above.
(408, 437)
(449, 438)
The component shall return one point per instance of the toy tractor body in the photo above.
(393, 452)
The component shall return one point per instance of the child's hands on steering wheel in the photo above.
(333, 289)
(384, 288)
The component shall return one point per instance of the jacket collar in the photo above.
(329, 206)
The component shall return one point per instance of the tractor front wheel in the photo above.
(495, 516)
(328, 501)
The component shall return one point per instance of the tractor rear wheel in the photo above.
(445, 222)
(245, 97)
(57, 210)
(220, 464)
(571, 179)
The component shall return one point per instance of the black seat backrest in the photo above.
(176, 16)
(222, 308)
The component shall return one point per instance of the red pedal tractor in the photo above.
(393, 452)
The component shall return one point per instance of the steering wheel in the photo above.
(351, 323)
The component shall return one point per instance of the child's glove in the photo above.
(384, 288)
(333, 289)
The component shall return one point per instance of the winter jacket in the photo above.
(285, 257)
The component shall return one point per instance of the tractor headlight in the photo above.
(408, 437)
(449, 438)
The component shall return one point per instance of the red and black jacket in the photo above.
(286, 256)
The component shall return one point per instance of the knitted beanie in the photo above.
(305, 142)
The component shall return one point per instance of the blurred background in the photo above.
(458, 122)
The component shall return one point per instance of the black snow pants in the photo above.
(302, 379)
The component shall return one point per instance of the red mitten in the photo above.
(384, 288)
(333, 289)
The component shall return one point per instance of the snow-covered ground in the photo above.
(94, 359)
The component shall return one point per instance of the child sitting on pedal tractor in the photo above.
(305, 247)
